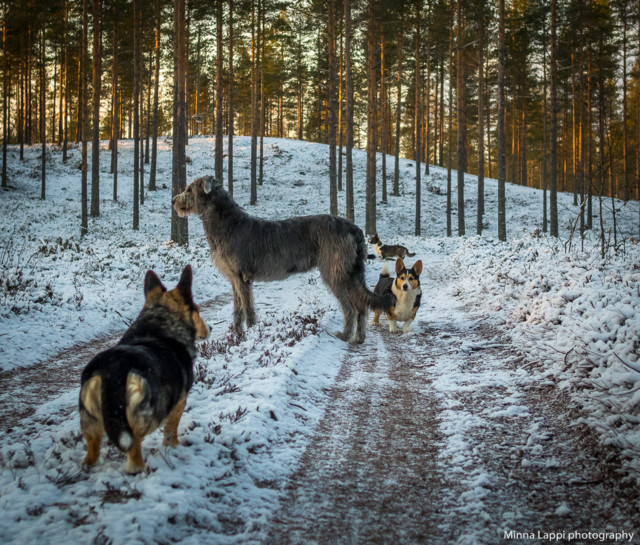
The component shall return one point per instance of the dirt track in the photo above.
(432, 437)
(405, 455)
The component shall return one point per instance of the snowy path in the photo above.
(434, 437)
(437, 436)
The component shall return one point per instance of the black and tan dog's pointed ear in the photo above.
(153, 288)
(399, 266)
(184, 286)
(417, 267)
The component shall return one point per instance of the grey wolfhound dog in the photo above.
(245, 248)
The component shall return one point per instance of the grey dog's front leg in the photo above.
(238, 312)
(243, 310)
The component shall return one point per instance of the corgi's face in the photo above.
(375, 240)
(408, 279)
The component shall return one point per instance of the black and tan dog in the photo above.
(142, 382)
(245, 249)
(385, 251)
(406, 289)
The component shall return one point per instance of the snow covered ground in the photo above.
(573, 317)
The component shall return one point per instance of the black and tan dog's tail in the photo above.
(411, 254)
(114, 410)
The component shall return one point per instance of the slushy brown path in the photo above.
(437, 437)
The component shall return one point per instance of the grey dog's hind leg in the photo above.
(238, 311)
(361, 328)
(349, 316)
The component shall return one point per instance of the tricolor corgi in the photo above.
(385, 251)
(406, 289)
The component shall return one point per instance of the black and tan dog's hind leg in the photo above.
(171, 424)
(91, 421)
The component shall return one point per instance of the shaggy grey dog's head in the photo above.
(193, 199)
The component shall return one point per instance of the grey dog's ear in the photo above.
(207, 184)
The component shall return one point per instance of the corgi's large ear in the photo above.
(153, 288)
(417, 267)
(184, 286)
(399, 266)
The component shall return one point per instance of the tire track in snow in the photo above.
(435, 437)
(370, 474)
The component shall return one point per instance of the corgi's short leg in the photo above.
(393, 326)
(376, 317)
(407, 325)
(171, 425)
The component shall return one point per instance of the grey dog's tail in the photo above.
(376, 301)
(411, 254)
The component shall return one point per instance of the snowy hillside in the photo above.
(573, 317)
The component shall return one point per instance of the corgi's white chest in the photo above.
(404, 302)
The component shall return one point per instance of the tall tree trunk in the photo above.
(179, 226)
(299, 87)
(350, 213)
(331, 85)
(136, 115)
(502, 163)
(601, 146)
(462, 121)
(523, 139)
(262, 109)
(60, 97)
(396, 168)
(427, 125)
(147, 132)
(588, 143)
(156, 86)
(441, 143)
(43, 116)
(5, 92)
(418, 118)
(480, 121)
(82, 127)
(66, 81)
(372, 121)
(383, 118)
(20, 97)
(625, 136)
(545, 219)
(97, 77)
(340, 106)
(254, 109)
(115, 105)
(231, 91)
(553, 154)
(55, 94)
(450, 127)
(219, 93)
